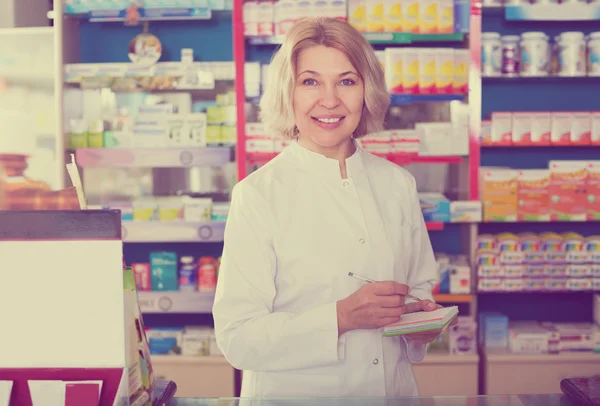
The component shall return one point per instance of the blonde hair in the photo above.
(276, 106)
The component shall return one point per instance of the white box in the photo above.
(465, 212)
(595, 131)
(501, 128)
(541, 128)
(266, 18)
(581, 128)
(521, 128)
(561, 128)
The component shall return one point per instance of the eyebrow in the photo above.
(312, 72)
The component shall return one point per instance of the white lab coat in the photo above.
(295, 230)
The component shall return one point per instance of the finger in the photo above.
(413, 307)
(392, 312)
(454, 321)
(428, 305)
(388, 288)
(390, 301)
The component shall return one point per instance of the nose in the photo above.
(329, 97)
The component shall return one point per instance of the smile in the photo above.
(329, 120)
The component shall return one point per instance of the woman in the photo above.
(286, 311)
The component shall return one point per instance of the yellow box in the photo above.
(444, 70)
(445, 17)
(392, 16)
(394, 59)
(500, 195)
(374, 15)
(357, 14)
(428, 16)
(213, 134)
(410, 16)
(461, 71)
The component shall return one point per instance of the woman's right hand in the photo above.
(374, 305)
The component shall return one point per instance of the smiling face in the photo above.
(328, 98)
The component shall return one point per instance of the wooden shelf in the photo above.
(564, 357)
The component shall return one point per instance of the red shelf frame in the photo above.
(435, 226)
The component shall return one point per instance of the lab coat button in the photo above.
(375, 361)
(362, 241)
(346, 183)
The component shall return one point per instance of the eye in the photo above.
(348, 82)
(309, 82)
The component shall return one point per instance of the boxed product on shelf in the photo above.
(462, 338)
(454, 274)
(499, 194)
(186, 341)
(466, 212)
(597, 308)
(567, 191)
(568, 194)
(163, 268)
(425, 70)
(533, 192)
(527, 337)
(493, 330)
(166, 272)
(435, 207)
(542, 128)
(544, 262)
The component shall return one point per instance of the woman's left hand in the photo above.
(426, 306)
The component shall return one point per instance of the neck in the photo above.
(338, 152)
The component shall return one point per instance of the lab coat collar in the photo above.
(329, 168)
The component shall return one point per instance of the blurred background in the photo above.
(494, 110)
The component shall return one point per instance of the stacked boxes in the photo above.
(566, 191)
(531, 262)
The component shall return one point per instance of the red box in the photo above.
(143, 276)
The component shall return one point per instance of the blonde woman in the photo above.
(286, 311)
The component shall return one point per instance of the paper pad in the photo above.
(421, 322)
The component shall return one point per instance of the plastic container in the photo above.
(593, 57)
(491, 54)
(510, 55)
(534, 54)
(571, 53)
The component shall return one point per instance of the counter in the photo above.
(522, 400)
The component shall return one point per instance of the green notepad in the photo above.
(421, 322)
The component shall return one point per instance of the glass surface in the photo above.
(521, 400)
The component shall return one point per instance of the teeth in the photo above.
(329, 120)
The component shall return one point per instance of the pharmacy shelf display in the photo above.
(535, 251)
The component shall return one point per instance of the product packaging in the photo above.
(501, 128)
(500, 195)
(568, 190)
(593, 190)
(533, 195)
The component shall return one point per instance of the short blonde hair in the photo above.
(276, 104)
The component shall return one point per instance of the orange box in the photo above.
(568, 190)
(533, 195)
(500, 195)
(593, 189)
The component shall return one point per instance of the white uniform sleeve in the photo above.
(248, 332)
(423, 269)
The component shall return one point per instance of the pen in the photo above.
(362, 278)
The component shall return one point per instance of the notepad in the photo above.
(421, 322)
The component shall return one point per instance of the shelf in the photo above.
(451, 298)
(406, 99)
(173, 231)
(538, 79)
(408, 38)
(505, 356)
(536, 292)
(176, 157)
(176, 302)
(187, 360)
(145, 14)
(553, 12)
(439, 357)
(527, 146)
(376, 38)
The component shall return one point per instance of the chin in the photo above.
(330, 139)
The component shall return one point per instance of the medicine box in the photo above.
(533, 194)
(581, 128)
(164, 271)
(562, 123)
(435, 207)
(463, 336)
(500, 195)
(568, 190)
(465, 212)
(493, 330)
(501, 128)
(593, 190)
(521, 128)
(541, 128)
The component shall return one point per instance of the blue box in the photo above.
(462, 16)
(163, 268)
(493, 330)
(435, 207)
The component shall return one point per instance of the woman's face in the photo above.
(328, 96)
